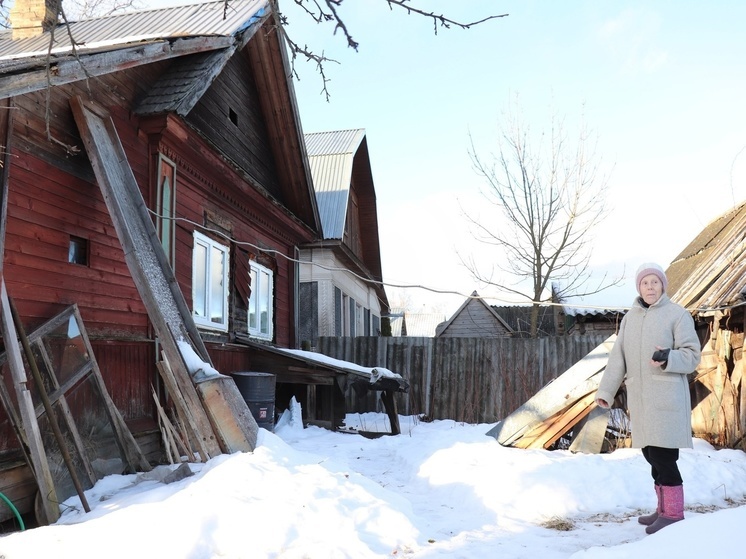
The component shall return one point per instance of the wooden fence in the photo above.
(474, 380)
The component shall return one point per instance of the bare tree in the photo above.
(550, 197)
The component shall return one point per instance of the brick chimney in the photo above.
(29, 18)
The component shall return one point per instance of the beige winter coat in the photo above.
(658, 397)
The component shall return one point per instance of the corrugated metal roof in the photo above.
(330, 156)
(585, 311)
(199, 19)
(334, 143)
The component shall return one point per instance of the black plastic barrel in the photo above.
(258, 391)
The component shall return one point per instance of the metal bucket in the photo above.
(258, 391)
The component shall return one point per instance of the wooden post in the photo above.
(43, 476)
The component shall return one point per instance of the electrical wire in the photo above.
(411, 286)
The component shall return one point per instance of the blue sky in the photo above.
(661, 84)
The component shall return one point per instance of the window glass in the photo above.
(217, 284)
(210, 282)
(261, 302)
(165, 205)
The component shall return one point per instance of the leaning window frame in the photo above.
(210, 245)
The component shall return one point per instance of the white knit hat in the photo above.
(647, 269)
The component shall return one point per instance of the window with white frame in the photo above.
(261, 302)
(210, 283)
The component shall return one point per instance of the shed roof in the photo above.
(518, 317)
(710, 273)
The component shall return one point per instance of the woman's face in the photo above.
(651, 289)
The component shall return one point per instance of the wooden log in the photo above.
(389, 404)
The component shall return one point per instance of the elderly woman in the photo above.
(657, 347)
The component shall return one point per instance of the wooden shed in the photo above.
(708, 277)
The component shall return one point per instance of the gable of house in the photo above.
(474, 319)
(343, 182)
(341, 285)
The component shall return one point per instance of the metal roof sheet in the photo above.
(330, 156)
(334, 143)
(199, 19)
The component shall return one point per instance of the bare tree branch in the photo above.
(438, 20)
(327, 11)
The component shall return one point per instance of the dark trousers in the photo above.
(663, 466)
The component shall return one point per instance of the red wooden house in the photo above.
(201, 101)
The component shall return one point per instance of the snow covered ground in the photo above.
(439, 490)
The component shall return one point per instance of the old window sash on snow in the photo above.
(210, 264)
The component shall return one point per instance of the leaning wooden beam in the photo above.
(136, 460)
(172, 439)
(230, 415)
(47, 492)
(144, 255)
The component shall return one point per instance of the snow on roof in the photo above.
(376, 373)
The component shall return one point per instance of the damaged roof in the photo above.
(710, 273)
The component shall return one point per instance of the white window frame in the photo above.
(206, 295)
(262, 292)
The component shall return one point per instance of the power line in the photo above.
(409, 286)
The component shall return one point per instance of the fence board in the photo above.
(474, 380)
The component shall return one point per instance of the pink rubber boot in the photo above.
(672, 507)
